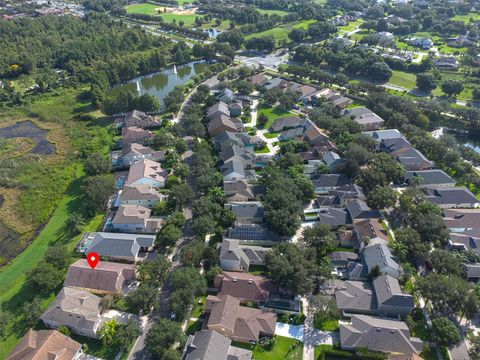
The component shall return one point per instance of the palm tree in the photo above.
(217, 194)
(75, 223)
(416, 181)
(399, 249)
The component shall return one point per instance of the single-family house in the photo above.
(428, 178)
(354, 297)
(143, 195)
(334, 217)
(238, 190)
(235, 256)
(226, 95)
(235, 170)
(394, 144)
(135, 134)
(79, 310)
(391, 301)
(446, 62)
(380, 135)
(235, 109)
(258, 79)
(247, 212)
(378, 334)
(239, 323)
(365, 117)
(358, 209)
(461, 220)
(412, 159)
(424, 43)
(244, 286)
(106, 278)
(119, 246)
(147, 172)
(217, 109)
(466, 241)
(138, 119)
(134, 152)
(227, 138)
(380, 256)
(211, 345)
(136, 219)
(332, 160)
(453, 197)
(285, 123)
(341, 258)
(45, 345)
(224, 123)
(252, 233)
(368, 231)
(245, 155)
(326, 182)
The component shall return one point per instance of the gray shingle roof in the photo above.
(355, 296)
(454, 195)
(210, 345)
(331, 180)
(430, 177)
(334, 216)
(389, 293)
(378, 334)
(249, 209)
(379, 255)
(384, 134)
(119, 244)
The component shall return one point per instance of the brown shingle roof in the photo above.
(242, 322)
(244, 286)
(44, 345)
(107, 276)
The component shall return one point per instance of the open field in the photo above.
(284, 348)
(468, 84)
(404, 79)
(467, 18)
(188, 19)
(281, 32)
(146, 8)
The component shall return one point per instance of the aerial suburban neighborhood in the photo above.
(240, 180)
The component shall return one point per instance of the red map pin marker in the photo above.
(92, 259)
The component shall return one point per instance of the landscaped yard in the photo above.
(272, 135)
(351, 26)
(281, 32)
(257, 270)
(328, 325)
(273, 114)
(284, 348)
(199, 306)
(96, 348)
(262, 150)
(472, 16)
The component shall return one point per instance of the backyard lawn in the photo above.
(281, 32)
(351, 26)
(473, 16)
(272, 114)
(199, 306)
(284, 348)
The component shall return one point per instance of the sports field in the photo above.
(148, 9)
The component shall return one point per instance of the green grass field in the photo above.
(404, 79)
(284, 348)
(148, 9)
(273, 114)
(467, 17)
(189, 20)
(351, 26)
(183, 2)
(281, 32)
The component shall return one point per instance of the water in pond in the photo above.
(161, 83)
(27, 129)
